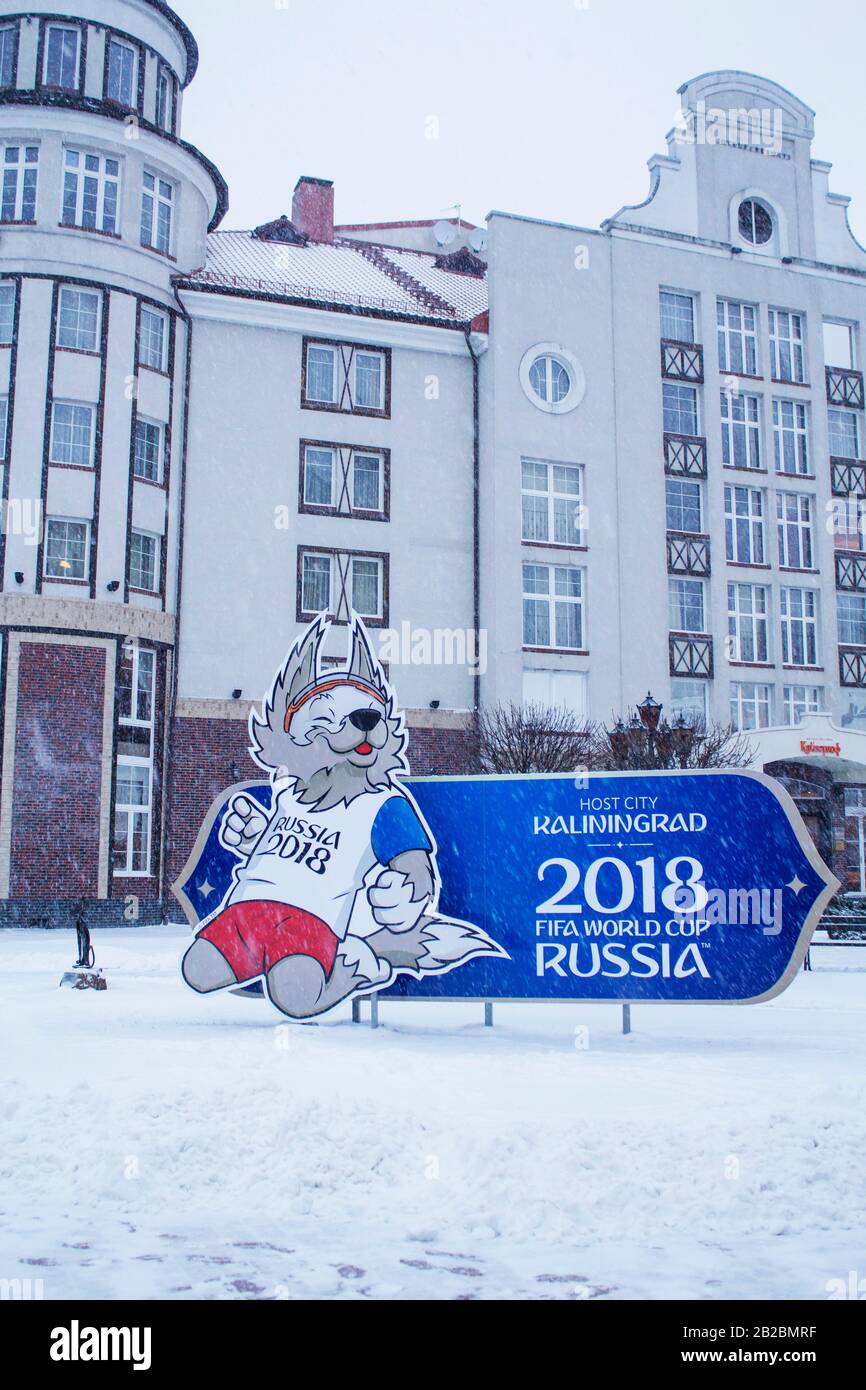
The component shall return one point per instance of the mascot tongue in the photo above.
(364, 748)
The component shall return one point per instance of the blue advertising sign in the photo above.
(689, 887)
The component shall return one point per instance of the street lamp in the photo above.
(650, 713)
(649, 741)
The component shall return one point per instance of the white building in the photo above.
(625, 476)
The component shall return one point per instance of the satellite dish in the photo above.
(445, 233)
(478, 239)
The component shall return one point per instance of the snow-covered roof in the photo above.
(355, 275)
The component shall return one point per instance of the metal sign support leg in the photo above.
(374, 1010)
(488, 1015)
(626, 1018)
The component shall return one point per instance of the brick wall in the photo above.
(58, 772)
(441, 752)
(202, 754)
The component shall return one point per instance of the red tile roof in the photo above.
(354, 275)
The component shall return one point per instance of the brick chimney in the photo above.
(313, 208)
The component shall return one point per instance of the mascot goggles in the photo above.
(320, 686)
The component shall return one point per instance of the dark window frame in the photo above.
(346, 365)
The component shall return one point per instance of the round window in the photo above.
(549, 379)
(552, 378)
(755, 222)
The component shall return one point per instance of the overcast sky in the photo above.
(544, 107)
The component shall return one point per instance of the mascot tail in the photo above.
(433, 945)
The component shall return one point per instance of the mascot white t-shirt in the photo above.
(318, 860)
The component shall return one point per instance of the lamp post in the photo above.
(648, 741)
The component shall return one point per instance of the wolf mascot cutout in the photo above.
(335, 889)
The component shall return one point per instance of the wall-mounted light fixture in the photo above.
(113, 585)
(236, 694)
(19, 576)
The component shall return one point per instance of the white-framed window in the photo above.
(7, 312)
(136, 707)
(321, 374)
(157, 212)
(557, 690)
(78, 319)
(689, 700)
(362, 488)
(751, 705)
(364, 584)
(737, 326)
(316, 583)
(549, 378)
(677, 315)
(794, 525)
(345, 377)
(680, 408)
(741, 430)
(144, 551)
(839, 339)
(4, 428)
(91, 191)
(149, 449)
(551, 502)
(754, 222)
(798, 612)
(8, 54)
(153, 339)
(365, 578)
(67, 549)
(62, 58)
(367, 481)
(791, 436)
(801, 700)
(787, 345)
(744, 525)
(686, 605)
(164, 98)
(843, 428)
(319, 476)
(136, 686)
(552, 379)
(683, 505)
(851, 618)
(73, 433)
(132, 817)
(369, 379)
(122, 76)
(748, 606)
(20, 182)
(553, 607)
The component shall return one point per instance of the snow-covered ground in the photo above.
(158, 1145)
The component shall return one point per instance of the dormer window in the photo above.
(754, 222)
(62, 57)
(121, 73)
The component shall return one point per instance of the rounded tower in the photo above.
(102, 206)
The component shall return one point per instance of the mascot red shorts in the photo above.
(254, 936)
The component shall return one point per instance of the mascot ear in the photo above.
(362, 662)
(303, 665)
